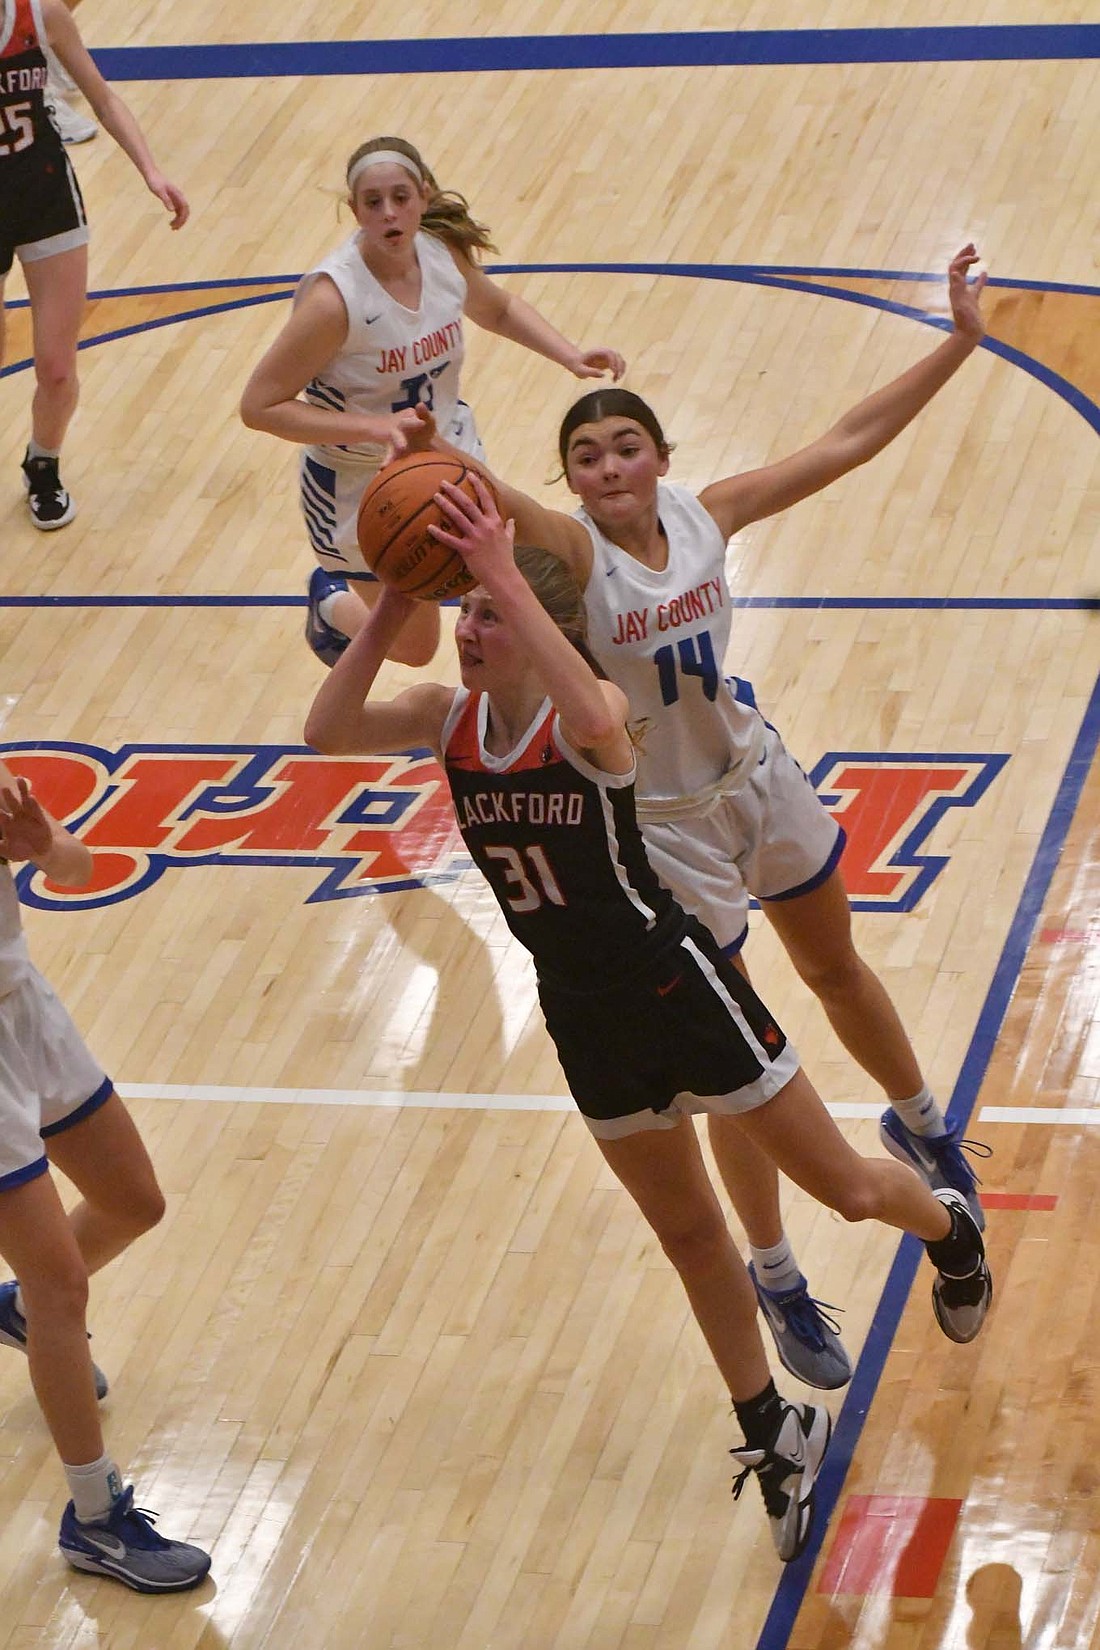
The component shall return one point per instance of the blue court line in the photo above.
(735, 48)
(905, 604)
(728, 272)
(750, 274)
(795, 1580)
(152, 325)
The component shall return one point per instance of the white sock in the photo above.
(36, 450)
(327, 604)
(776, 1269)
(94, 1489)
(921, 1114)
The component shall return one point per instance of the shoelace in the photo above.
(805, 1315)
(949, 1154)
(769, 1469)
(45, 479)
(138, 1522)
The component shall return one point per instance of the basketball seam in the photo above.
(428, 461)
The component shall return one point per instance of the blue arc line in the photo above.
(729, 272)
(743, 48)
(795, 1581)
(748, 274)
(157, 322)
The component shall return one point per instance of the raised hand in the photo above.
(597, 363)
(25, 830)
(964, 294)
(476, 532)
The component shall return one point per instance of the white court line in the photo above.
(1082, 1116)
(395, 1099)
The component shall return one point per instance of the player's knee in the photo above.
(856, 1198)
(834, 975)
(695, 1245)
(56, 374)
(58, 1293)
(143, 1207)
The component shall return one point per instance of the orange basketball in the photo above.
(394, 516)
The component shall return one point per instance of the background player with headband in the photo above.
(375, 332)
(726, 811)
(42, 221)
(651, 1022)
(57, 1107)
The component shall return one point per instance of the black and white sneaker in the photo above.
(126, 1547)
(49, 503)
(787, 1471)
(963, 1289)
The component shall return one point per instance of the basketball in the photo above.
(394, 516)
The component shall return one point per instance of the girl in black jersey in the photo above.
(650, 1020)
(42, 222)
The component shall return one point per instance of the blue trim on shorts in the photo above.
(102, 1094)
(823, 875)
(21, 1177)
(736, 946)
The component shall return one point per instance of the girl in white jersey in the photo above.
(726, 812)
(375, 333)
(651, 1023)
(58, 1110)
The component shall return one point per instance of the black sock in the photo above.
(959, 1253)
(760, 1417)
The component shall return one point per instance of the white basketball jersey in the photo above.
(14, 957)
(393, 357)
(663, 638)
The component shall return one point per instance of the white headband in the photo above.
(382, 157)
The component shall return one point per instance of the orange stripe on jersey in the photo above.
(464, 746)
(24, 35)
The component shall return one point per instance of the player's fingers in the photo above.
(484, 497)
(457, 504)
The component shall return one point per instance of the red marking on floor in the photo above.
(893, 1544)
(1063, 936)
(1018, 1200)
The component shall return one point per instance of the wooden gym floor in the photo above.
(402, 1353)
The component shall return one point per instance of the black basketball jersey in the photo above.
(27, 134)
(558, 843)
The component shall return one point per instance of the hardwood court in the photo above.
(416, 1372)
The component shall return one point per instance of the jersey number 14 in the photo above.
(695, 657)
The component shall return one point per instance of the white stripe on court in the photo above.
(395, 1099)
(1078, 1115)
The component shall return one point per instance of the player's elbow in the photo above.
(595, 730)
(322, 736)
(251, 411)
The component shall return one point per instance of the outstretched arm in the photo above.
(593, 712)
(343, 722)
(863, 431)
(510, 316)
(28, 832)
(113, 115)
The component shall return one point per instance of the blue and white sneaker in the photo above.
(127, 1547)
(787, 1471)
(938, 1159)
(325, 640)
(808, 1342)
(13, 1332)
